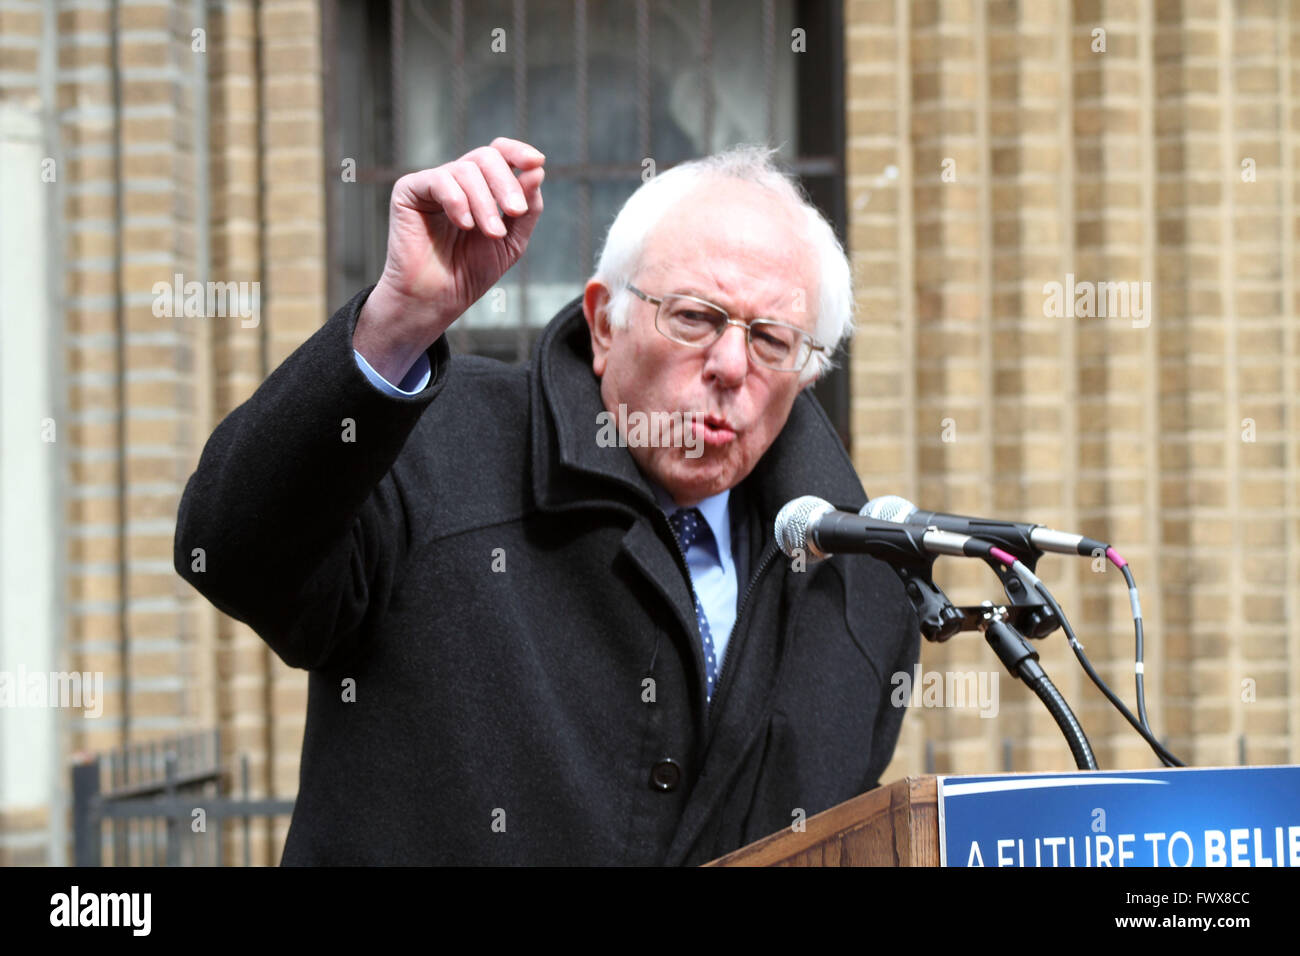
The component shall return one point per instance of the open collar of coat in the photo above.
(571, 469)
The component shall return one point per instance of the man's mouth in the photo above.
(713, 430)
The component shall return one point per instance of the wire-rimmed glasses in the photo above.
(698, 323)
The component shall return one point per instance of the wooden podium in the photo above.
(893, 825)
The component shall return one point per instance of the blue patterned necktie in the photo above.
(690, 527)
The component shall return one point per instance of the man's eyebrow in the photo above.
(730, 310)
(692, 290)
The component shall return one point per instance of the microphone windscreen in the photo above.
(794, 521)
(888, 508)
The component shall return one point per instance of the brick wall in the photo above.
(189, 142)
(1021, 152)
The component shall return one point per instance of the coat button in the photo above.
(665, 775)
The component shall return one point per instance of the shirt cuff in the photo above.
(415, 381)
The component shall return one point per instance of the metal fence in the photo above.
(165, 804)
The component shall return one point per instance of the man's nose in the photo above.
(728, 357)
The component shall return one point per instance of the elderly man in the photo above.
(527, 644)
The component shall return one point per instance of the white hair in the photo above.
(621, 255)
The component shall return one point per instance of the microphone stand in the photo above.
(940, 620)
(1020, 658)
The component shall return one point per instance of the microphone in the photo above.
(813, 526)
(1025, 541)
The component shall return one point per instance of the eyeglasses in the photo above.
(697, 323)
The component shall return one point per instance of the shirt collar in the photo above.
(715, 514)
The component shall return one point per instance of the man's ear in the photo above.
(595, 306)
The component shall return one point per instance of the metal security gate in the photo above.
(164, 805)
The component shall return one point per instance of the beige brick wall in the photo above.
(144, 392)
(1122, 165)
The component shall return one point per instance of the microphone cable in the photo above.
(1115, 558)
(1032, 580)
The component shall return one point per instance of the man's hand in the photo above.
(447, 245)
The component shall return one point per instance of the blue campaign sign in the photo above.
(1183, 816)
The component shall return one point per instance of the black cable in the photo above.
(1137, 628)
(1165, 756)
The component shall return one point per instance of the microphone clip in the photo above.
(939, 620)
(1034, 618)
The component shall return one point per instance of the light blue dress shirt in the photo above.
(712, 567)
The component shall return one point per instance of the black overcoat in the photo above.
(503, 656)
